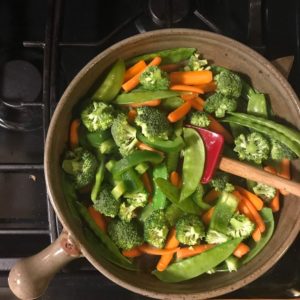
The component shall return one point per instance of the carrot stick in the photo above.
(275, 204)
(255, 200)
(285, 169)
(154, 102)
(135, 80)
(135, 69)
(147, 182)
(208, 87)
(134, 252)
(186, 88)
(131, 115)
(170, 67)
(191, 77)
(198, 103)
(143, 146)
(191, 251)
(241, 250)
(211, 196)
(256, 234)
(97, 217)
(218, 128)
(74, 138)
(145, 248)
(206, 217)
(179, 112)
(165, 259)
(188, 96)
(175, 179)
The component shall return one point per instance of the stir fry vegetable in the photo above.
(135, 159)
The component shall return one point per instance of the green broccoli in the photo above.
(106, 203)
(107, 146)
(156, 229)
(266, 192)
(199, 118)
(125, 235)
(81, 165)
(98, 116)
(124, 135)
(215, 237)
(220, 182)
(195, 63)
(153, 78)
(153, 122)
(127, 212)
(232, 263)
(240, 226)
(253, 147)
(189, 230)
(280, 151)
(138, 199)
(229, 84)
(220, 104)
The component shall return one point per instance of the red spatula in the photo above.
(214, 145)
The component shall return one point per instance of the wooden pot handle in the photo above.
(30, 277)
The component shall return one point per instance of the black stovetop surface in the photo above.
(62, 36)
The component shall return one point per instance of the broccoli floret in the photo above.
(280, 151)
(81, 165)
(138, 199)
(127, 212)
(253, 147)
(189, 230)
(153, 78)
(232, 263)
(266, 192)
(156, 229)
(229, 84)
(97, 116)
(107, 146)
(124, 135)
(153, 122)
(220, 183)
(195, 63)
(106, 203)
(220, 104)
(125, 235)
(215, 237)
(199, 118)
(240, 226)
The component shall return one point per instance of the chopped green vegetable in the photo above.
(153, 78)
(220, 104)
(229, 84)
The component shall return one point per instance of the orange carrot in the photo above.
(256, 234)
(175, 179)
(147, 182)
(154, 102)
(256, 201)
(186, 88)
(198, 103)
(191, 77)
(145, 248)
(188, 96)
(97, 217)
(219, 128)
(179, 112)
(143, 146)
(135, 69)
(285, 169)
(135, 80)
(132, 113)
(211, 196)
(206, 217)
(241, 250)
(165, 259)
(74, 138)
(170, 67)
(275, 204)
(194, 250)
(133, 252)
(208, 87)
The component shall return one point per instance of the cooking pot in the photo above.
(30, 277)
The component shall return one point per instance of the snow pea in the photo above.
(193, 162)
(142, 96)
(192, 267)
(173, 213)
(268, 218)
(162, 145)
(169, 56)
(172, 103)
(112, 83)
(98, 180)
(159, 200)
(197, 197)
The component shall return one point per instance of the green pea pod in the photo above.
(104, 238)
(96, 138)
(142, 96)
(162, 145)
(134, 159)
(172, 193)
(112, 83)
(192, 267)
(193, 162)
(268, 218)
(159, 200)
(98, 180)
(169, 56)
(173, 213)
(287, 136)
(197, 197)
(172, 103)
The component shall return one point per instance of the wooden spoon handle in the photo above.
(241, 169)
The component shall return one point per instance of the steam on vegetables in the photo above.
(132, 171)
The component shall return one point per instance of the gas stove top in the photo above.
(43, 44)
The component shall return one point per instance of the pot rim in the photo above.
(47, 161)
